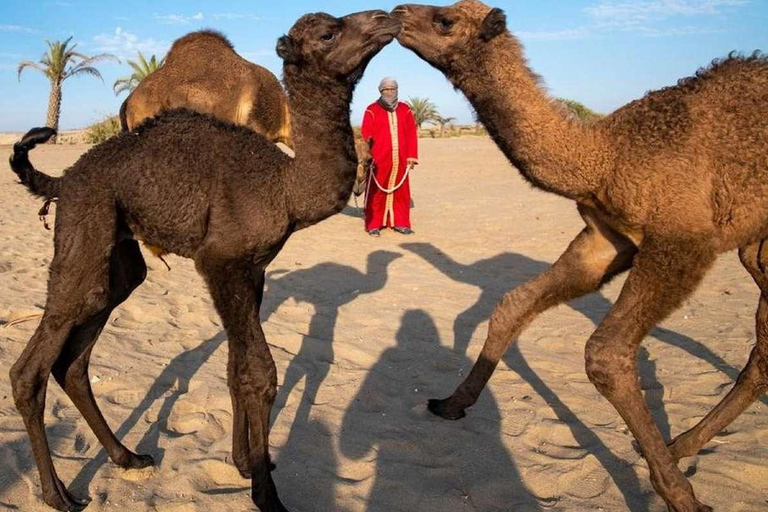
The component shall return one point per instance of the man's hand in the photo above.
(412, 162)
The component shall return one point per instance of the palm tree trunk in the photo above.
(54, 108)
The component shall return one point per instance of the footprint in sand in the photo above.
(515, 420)
(586, 481)
(555, 439)
(65, 412)
(187, 418)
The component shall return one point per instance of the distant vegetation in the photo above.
(102, 130)
(579, 111)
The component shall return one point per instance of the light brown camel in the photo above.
(202, 72)
(364, 164)
(664, 185)
(203, 189)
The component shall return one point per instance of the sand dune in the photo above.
(363, 331)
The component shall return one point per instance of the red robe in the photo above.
(390, 154)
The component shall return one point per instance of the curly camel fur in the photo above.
(207, 190)
(664, 185)
(202, 72)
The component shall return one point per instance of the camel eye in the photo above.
(444, 23)
(328, 37)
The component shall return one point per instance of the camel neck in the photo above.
(323, 172)
(552, 152)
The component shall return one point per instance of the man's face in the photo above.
(389, 93)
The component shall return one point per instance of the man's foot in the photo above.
(404, 231)
(375, 232)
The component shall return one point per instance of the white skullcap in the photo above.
(387, 83)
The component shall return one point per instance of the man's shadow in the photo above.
(423, 463)
(496, 276)
(328, 287)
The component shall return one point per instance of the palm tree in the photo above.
(442, 121)
(423, 110)
(141, 70)
(60, 62)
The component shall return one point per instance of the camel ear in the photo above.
(494, 24)
(286, 50)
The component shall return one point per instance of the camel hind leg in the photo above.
(753, 379)
(664, 274)
(77, 290)
(127, 271)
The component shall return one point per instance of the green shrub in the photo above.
(580, 111)
(102, 130)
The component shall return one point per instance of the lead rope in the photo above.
(393, 189)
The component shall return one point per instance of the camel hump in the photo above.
(195, 42)
(202, 36)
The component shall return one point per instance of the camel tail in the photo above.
(124, 115)
(38, 183)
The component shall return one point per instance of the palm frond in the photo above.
(77, 71)
(29, 64)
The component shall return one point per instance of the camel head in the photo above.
(452, 38)
(322, 46)
(364, 164)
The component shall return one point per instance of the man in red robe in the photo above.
(392, 127)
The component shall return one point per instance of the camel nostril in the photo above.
(380, 15)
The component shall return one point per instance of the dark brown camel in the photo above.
(664, 185)
(202, 72)
(214, 192)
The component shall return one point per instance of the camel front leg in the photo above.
(752, 381)
(592, 258)
(252, 375)
(664, 274)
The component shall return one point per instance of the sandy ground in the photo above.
(363, 331)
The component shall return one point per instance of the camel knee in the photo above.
(756, 371)
(610, 369)
(27, 387)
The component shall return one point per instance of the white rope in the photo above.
(393, 189)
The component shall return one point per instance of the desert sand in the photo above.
(363, 332)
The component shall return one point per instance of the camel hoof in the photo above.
(61, 499)
(136, 461)
(444, 409)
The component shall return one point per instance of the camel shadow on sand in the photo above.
(499, 274)
(328, 286)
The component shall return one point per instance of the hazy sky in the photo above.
(600, 52)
